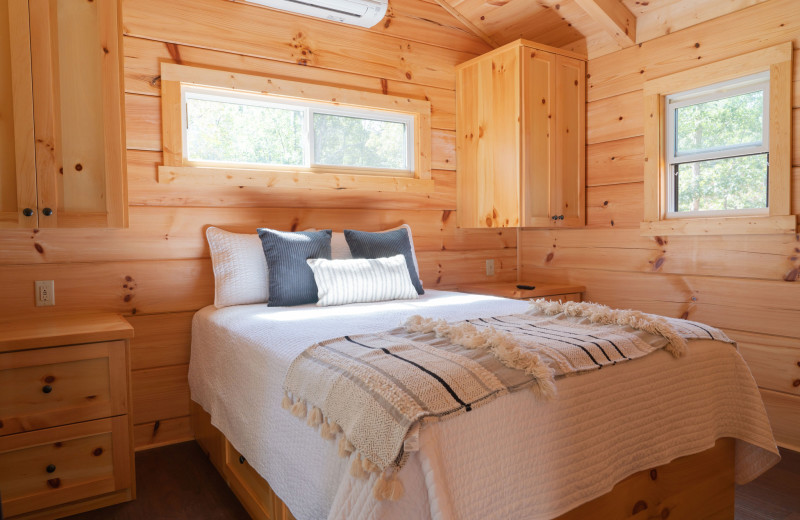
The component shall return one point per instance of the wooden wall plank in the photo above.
(170, 431)
(615, 162)
(770, 307)
(743, 31)
(768, 257)
(774, 360)
(144, 190)
(160, 340)
(161, 233)
(784, 415)
(160, 394)
(615, 118)
(143, 60)
(615, 205)
(254, 31)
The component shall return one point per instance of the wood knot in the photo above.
(78, 167)
(796, 383)
(639, 506)
(38, 247)
(653, 474)
(549, 257)
(54, 483)
(576, 82)
(97, 452)
(49, 379)
(665, 513)
(697, 45)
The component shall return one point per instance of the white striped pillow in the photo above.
(361, 280)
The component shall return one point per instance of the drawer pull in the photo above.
(50, 468)
(97, 452)
(241, 459)
(54, 483)
(47, 389)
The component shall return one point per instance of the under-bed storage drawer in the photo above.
(252, 490)
(54, 466)
(54, 386)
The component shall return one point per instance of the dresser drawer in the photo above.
(252, 490)
(49, 467)
(55, 386)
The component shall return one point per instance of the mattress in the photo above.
(518, 457)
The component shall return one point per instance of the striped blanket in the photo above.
(373, 391)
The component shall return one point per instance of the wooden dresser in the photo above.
(65, 423)
(514, 290)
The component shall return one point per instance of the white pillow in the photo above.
(240, 268)
(361, 280)
(341, 251)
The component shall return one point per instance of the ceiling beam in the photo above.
(615, 17)
(474, 29)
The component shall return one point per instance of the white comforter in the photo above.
(515, 458)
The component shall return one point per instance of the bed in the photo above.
(517, 458)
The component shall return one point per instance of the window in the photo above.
(717, 144)
(237, 129)
(718, 148)
(258, 130)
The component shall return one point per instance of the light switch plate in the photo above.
(44, 293)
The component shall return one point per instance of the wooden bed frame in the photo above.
(691, 487)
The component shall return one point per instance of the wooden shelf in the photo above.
(510, 290)
(23, 334)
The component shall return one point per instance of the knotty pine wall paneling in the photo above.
(157, 272)
(749, 285)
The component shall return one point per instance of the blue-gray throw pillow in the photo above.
(364, 244)
(291, 280)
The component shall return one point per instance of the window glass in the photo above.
(719, 124)
(737, 183)
(355, 141)
(239, 128)
(242, 133)
(718, 148)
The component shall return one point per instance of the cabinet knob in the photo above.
(47, 212)
(561, 217)
(50, 468)
(47, 389)
(28, 212)
(554, 217)
(241, 459)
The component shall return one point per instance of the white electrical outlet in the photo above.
(45, 293)
(490, 267)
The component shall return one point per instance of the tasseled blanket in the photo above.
(373, 391)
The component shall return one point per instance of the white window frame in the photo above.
(308, 109)
(673, 102)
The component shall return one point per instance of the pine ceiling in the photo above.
(594, 27)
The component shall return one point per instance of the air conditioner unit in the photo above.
(364, 13)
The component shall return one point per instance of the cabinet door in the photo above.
(539, 143)
(17, 163)
(568, 192)
(488, 141)
(75, 60)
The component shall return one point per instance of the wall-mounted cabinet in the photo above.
(520, 138)
(62, 135)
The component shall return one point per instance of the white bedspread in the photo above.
(516, 458)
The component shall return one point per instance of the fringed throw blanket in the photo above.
(373, 391)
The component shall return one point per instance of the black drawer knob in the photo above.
(241, 459)
(28, 212)
(47, 212)
(50, 468)
(47, 389)
(561, 217)
(554, 217)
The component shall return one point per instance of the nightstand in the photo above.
(563, 292)
(66, 442)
